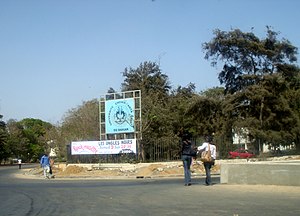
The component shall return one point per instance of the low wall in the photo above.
(265, 173)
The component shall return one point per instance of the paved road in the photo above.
(32, 197)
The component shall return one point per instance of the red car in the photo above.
(241, 153)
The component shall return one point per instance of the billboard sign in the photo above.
(119, 115)
(103, 147)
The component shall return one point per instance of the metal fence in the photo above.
(160, 150)
(164, 149)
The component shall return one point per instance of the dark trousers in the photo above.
(187, 160)
(207, 166)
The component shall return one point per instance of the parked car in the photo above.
(241, 153)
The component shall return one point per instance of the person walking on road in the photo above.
(20, 163)
(45, 164)
(51, 160)
(208, 146)
(186, 158)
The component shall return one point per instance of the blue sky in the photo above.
(55, 54)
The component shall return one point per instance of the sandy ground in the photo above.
(140, 170)
(143, 170)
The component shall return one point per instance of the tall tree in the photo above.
(154, 86)
(292, 75)
(179, 102)
(257, 73)
(207, 114)
(17, 141)
(34, 130)
(81, 123)
(148, 78)
(4, 149)
(27, 138)
(246, 58)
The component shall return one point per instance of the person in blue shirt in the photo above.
(45, 164)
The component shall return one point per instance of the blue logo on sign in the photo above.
(120, 116)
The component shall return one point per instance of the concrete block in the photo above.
(265, 173)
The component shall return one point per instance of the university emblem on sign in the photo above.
(120, 116)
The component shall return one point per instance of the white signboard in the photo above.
(103, 147)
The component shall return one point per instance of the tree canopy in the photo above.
(4, 148)
(247, 59)
(259, 76)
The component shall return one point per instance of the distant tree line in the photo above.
(260, 93)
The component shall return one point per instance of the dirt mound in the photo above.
(73, 170)
(143, 171)
(134, 170)
(148, 170)
(70, 171)
(129, 170)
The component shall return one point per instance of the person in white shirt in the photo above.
(19, 163)
(208, 165)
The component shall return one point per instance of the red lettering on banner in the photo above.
(77, 148)
(103, 147)
(81, 148)
(91, 148)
